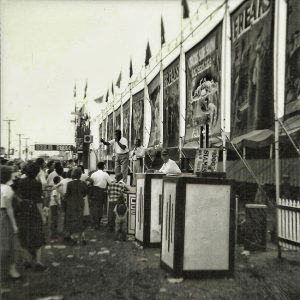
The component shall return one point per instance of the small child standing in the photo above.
(120, 211)
(55, 204)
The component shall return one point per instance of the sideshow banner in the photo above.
(203, 69)
(252, 67)
(171, 105)
(126, 119)
(206, 160)
(292, 83)
(137, 124)
(104, 129)
(118, 118)
(154, 98)
(100, 131)
(110, 131)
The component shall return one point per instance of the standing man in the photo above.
(122, 153)
(100, 180)
(137, 156)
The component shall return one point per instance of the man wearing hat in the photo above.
(169, 166)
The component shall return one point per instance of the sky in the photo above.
(48, 46)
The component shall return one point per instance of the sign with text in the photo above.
(206, 160)
(45, 147)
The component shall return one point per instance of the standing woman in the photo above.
(30, 217)
(8, 226)
(76, 191)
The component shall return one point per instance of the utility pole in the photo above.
(26, 149)
(9, 121)
(20, 144)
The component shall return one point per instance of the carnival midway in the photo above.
(182, 183)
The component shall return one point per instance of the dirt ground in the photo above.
(106, 269)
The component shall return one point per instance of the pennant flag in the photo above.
(118, 83)
(99, 100)
(74, 94)
(162, 32)
(112, 88)
(130, 68)
(85, 89)
(186, 11)
(106, 99)
(148, 54)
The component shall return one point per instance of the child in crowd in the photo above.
(8, 226)
(55, 204)
(120, 211)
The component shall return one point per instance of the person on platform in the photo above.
(115, 190)
(137, 155)
(30, 217)
(100, 180)
(76, 191)
(8, 226)
(122, 153)
(169, 166)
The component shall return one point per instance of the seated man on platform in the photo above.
(169, 166)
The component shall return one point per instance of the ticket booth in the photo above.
(197, 226)
(148, 209)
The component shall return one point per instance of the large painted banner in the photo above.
(171, 105)
(252, 67)
(126, 119)
(117, 124)
(110, 131)
(101, 132)
(292, 90)
(104, 129)
(154, 98)
(137, 121)
(203, 79)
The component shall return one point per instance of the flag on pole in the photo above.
(74, 94)
(118, 83)
(186, 11)
(130, 68)
(85, 89)
(106, 98)
(162, 32)
(148, 54)
(112, 88)
(99, 100)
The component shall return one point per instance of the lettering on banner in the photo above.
(206, 160)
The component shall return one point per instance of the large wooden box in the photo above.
(131, 204)
(148, 209)
(198, 226)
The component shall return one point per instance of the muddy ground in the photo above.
(106, 269)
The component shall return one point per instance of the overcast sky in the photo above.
(48, 45)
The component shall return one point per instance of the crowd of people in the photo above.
(49, 202)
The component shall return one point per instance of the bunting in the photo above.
(185, 9)
(162, 32)
(106, 98)
(85, 90)
(118, 83)
(148, 54)
(99, 100)
(112, 88)
(74, 94)
(130, 68)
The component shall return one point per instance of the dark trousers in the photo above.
(54, 219)
(111, 215)
(97, 201)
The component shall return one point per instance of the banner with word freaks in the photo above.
(154, 98)
(203, 80)
(252, 67)
(137, 124)
(206, 160)
(171, 105)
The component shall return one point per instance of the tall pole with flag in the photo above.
(85, 89)
(130, 99)
(161, 106)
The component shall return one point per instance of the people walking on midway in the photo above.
(100, 180)
(8, 226)
(137, 155)
(169, 166)
(120, 145)
(41, 177)
(30, 217)
(55, 206)
(76, 191)
(120, 211)
(114, 191)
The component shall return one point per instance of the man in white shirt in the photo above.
(169, 166)
(100, 180)
(137, 156)
(121, 150)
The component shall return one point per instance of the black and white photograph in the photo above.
(150, 149)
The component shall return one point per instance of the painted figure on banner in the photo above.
(126, 115)
(137, 126)
(118, 118)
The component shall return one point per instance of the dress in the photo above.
(76, 191)
(29, 219)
